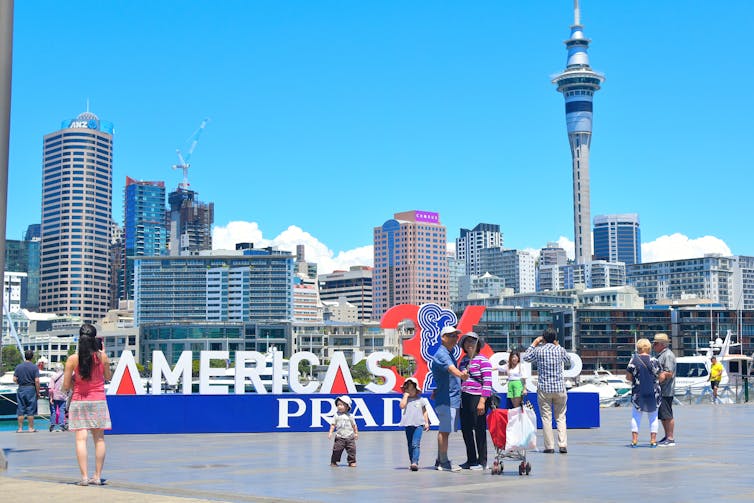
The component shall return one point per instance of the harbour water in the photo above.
(711, 461)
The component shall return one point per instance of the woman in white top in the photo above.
(516, 380)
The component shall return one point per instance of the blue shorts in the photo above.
(447, 416)
(27, 401)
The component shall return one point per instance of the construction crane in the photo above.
(183, 161)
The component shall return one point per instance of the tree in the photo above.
(360, 373)
(304, 368)
(404, 365)
(11, 357)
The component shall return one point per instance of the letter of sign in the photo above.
(576, 366)
(389, 406)
(293, 378)
(317, 415)
(126, 380)
(277, 372)
(205, 372)
(361, 411)
(429, 320)
(284, 413)
(252, 373)
(373, 366)
(161, 367)
(338, 369)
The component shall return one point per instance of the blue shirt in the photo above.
(27, 373)
(550, 360)
(448, 391)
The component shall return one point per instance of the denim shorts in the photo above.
(447, 416)
(27, 401)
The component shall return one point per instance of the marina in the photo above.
(600, 466)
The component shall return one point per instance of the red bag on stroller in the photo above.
(497, 422)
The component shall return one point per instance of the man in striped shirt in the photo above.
(551, 393)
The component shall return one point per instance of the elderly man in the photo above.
(666, 358)
(26, 376)
(447, 394)
(551, 393)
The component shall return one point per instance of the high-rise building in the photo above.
(516, 267)
(76, 218)
(471, 242)
(456, 272)
(301, 266)
(354, 285)
(711, 277)
(410, 261)
(578, 83)
(617, 238)
(220, 286)
(144, 229)
(190, 223)
(552, 254)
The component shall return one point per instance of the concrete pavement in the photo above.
(711, 461)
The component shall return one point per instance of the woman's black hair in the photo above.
(511, 355)
(87, 350)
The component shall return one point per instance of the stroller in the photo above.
(513, 431)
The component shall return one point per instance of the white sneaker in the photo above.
(448, 467)
(477, 467)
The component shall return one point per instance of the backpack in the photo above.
(56, 388)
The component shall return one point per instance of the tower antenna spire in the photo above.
(576, 13)
(578, 83)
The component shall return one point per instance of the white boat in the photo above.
(608, 395)
(617, 382)
(8, 403)
(692, 372)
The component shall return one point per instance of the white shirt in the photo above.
(514, 374)
(413, 414)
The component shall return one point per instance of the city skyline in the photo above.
(429, 106)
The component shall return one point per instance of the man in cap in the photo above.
(447, 394)
(666, 358)
(551, 392)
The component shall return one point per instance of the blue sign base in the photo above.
(261, 413)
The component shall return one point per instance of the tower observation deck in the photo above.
(578, 82)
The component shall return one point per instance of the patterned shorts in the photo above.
(89, 415)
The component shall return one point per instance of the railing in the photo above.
(736, 392)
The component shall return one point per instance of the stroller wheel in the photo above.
(528, 468)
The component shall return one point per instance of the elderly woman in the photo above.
(475, 393)
(643, 372)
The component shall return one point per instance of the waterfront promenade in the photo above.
(712, 462)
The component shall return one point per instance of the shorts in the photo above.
(27, 401)
(515, 389)
(448, 418)
(714, 384)
(666, 408)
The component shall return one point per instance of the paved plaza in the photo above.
(711, 462)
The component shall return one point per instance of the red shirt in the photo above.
(92, 389)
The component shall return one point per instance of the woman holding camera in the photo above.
(85, 373)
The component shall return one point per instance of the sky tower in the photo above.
(578, 82)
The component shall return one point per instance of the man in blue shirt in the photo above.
(26, 376)
(551, 392)
(447, 394)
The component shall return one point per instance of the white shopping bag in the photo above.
(521, 432)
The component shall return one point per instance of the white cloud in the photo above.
(678, 247)
(226, 237)
(568, 246)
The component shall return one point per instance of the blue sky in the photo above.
(329, 116)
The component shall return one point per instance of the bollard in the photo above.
(746, 389)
